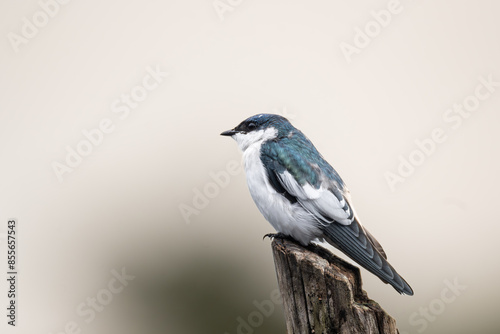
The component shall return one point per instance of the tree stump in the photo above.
(322, 293)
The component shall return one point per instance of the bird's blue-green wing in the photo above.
(301, 175)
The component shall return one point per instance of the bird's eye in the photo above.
(251, 126)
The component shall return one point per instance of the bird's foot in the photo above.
(278, 235)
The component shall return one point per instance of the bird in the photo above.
(302, 196)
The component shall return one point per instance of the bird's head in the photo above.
(259, 128)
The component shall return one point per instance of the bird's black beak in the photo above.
(229, 133)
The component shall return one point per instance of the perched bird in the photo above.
(302, 196)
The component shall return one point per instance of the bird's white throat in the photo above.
(245, 140)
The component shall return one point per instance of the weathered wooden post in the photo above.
(323, 294)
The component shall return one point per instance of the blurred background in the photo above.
(112, 163)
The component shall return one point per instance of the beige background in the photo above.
(121, 206)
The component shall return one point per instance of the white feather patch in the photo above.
(321, 202)
(245, 140)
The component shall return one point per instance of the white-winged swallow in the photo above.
(302, 196)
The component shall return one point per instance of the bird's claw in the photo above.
(278, 235)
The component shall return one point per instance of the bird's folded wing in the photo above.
(328, 205)
(301, 180)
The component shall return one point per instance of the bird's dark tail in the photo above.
(360, 246)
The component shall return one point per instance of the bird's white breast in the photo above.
(285, 217)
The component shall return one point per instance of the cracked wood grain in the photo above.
(323, 294)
